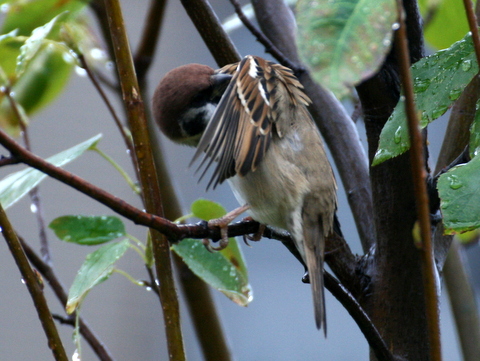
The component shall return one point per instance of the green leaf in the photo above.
(468, 238)
(14, 186)
(459, 191)
(474, 144)
(41, 82)
(448, 23)
(88, 230)
(344, 42)
(439, 80)
(10, 45)
(207, 210)
(223, 270)
(32, 45)
(98, 267)
(28, 15)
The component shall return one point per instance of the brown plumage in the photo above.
(262, 139)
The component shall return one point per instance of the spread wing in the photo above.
(240, 131)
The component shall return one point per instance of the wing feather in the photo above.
(240, 131)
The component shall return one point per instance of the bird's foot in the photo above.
(255, 237)
(223, 223)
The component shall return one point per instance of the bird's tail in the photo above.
(314, 242)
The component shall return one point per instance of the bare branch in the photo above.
(34, 287)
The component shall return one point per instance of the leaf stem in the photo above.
(128, 277)
(120, 170)
(420, 189)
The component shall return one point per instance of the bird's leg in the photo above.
(223, 223)
(256, 236)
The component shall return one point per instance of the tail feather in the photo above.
(314, 243)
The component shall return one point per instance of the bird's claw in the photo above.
(255, 237)
(223, 223)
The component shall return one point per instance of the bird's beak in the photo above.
(220, 82)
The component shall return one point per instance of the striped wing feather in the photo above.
(240, 131)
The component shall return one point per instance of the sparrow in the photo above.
(250, 122)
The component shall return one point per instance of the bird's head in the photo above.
(185, 100)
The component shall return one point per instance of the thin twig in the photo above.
(34, 287)
(149, 39)
(148, 177)
(463, 303)
(48, 273)
(262, 39)
(8, 161)
(421, 195)
(472, 23)
(34, 193)
(121, 127)
(373, 337)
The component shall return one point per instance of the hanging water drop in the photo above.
(455, 182)
(397, 137)
(454, 94)
(33, 208)
(466, 65)
(439, 111)
(420, 85)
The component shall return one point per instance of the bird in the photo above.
(250, 121)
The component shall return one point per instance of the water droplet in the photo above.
(397, 137)
(98, 54)
(420, 85)
(395, 26)
(455, 94)
(386, 42)
(4, 8)
(148, 289)
(76, 356)
(3, 89)
(80, 71)
(402, 98)
(23, 281)
(33, 208)
(68, 58)
(439, 111)
(455, 182)
(444, 204)
(1, 229)
(466, 65)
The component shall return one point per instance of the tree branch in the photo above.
(211, 31)
(48, 273)
(148, 177)
(34, 287)
(149, 39)
(420, 188)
